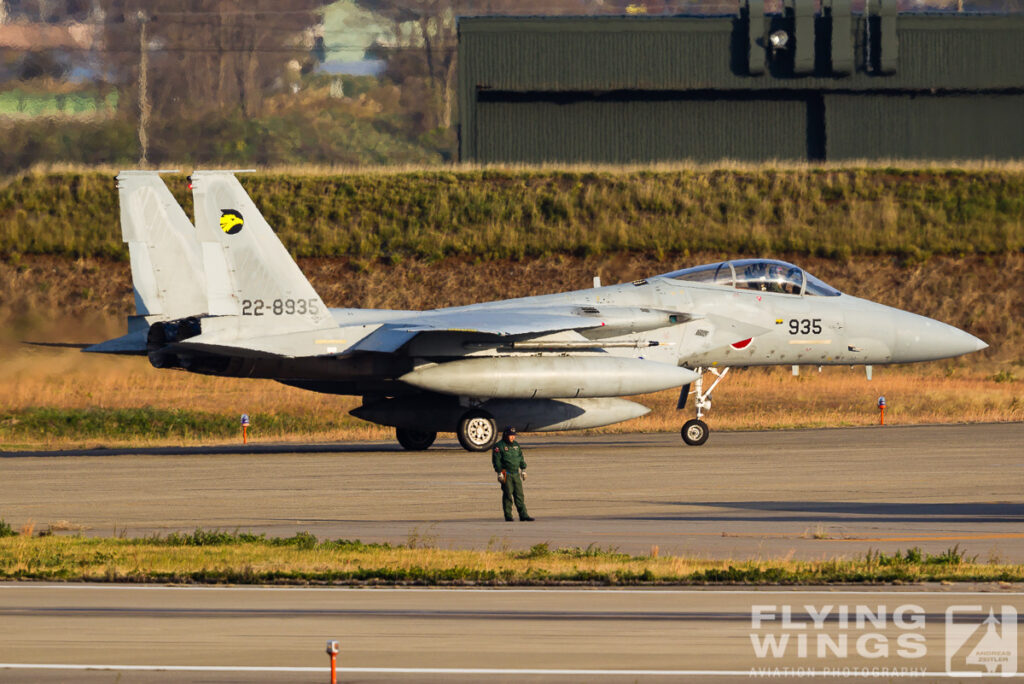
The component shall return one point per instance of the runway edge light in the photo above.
(332, 650)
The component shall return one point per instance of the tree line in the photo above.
(237, 80)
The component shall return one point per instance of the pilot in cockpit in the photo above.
(776, 279)
(795, 280)
(773, 278)
(755, 277)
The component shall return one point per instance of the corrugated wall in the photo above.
(964, 126)
(640, 131)
(596, 54)
(683, 53)
(549, 89)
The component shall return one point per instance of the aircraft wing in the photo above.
(392, 335)
(510, 321)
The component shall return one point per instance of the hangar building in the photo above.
(810, 83)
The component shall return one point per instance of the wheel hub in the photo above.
(479, 430)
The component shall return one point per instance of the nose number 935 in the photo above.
(279, 307)
(805, 326)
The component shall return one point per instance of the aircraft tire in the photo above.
(414, 440)
(695, 432)
(477, 430)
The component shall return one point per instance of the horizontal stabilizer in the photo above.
(59, 345)
(134, 343)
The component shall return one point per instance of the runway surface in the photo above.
(813, 494)
(804, 493)
(267, 634)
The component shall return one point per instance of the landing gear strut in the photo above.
(695, 432)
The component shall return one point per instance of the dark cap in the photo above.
(509, 430)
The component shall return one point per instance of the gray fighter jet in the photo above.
(225, 298)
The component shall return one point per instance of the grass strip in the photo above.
(835, 212)
(135, 424)
(213, 557)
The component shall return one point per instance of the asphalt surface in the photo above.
(813, 494)
(804, 494)
(279, 634)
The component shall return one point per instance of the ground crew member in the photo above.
(508, 460)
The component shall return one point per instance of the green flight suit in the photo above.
(509, 457)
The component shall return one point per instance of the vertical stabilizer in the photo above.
(167, 266)
(249, 273)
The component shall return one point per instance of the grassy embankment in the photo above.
(491, 214)
(217, 557)
(422, 239)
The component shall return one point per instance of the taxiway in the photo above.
(802, 493)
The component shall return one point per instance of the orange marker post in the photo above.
(245, 428)
(881, 410)
(332, 650)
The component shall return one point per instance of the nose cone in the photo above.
(924, 339)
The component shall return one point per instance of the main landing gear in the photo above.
(695, 432)
(414, 440)
(477, 430)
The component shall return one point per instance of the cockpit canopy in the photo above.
(763, 275)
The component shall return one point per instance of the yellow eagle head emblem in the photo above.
(230, 221)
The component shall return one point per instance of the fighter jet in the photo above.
(225, 298)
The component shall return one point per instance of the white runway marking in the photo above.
(755, 672)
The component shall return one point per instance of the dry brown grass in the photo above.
(41, 377)
(85, 300)
(752, 399)
(771, 398)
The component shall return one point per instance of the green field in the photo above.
(239, 558)
(128, 425)
(489, 214)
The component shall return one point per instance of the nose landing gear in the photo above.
(695, 432)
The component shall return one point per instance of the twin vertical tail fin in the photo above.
(228, 283)
(167, 267)
(249, 273)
